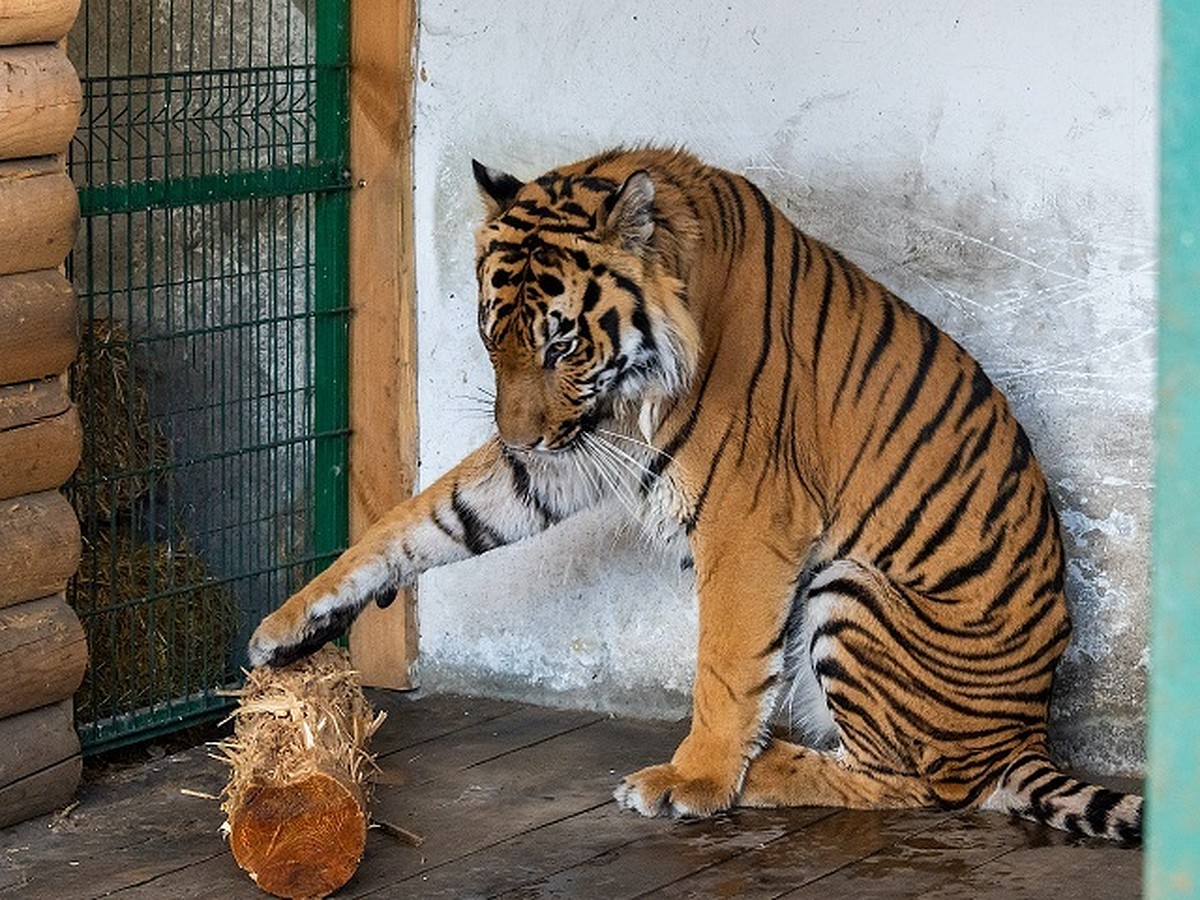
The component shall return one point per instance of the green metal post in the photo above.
(1173, 803)
(331, 300)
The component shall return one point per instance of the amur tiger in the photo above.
(870, 531)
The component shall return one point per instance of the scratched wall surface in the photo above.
(992, 163)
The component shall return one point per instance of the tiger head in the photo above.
(582, 305)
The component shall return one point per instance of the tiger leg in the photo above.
(489, 499)
(786, 774)
(906, 684)
(744, 598)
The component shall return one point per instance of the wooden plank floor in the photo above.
(515, 801)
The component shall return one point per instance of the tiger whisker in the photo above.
(612, 482)
(480, 402)
(579, 459)
(622, 487)
(617, 469)
(637, 442)
(639, 467)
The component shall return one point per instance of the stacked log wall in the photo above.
(42, 648)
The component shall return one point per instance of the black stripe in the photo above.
(722, 214)
(570, 208)
(808, 254)
(930, 339)
(694, 517)
(873, 417)
(905, 532)
(740, 218)
(762, 687)
(524, 489)
(885, 667)
(831, 669)
(981, 392)
(1041, 766)
(660, 462)
(931, 653)
(1099, 808)
(1041, 534)
(598, 184)
(923, 437)
(846, 369)
(436, 518)
(882, 338)
(721, 680)
(610, 324)
(768, 218)
(476, 534)
(550, 285)
(1130, 832)
(842, 703)
(985, 439)
(948, 525)
(385, 594)
(583, 232)
(591, 295)
(975, 567)
(638, 318)
(785, 391)
(829, 256)
(778, 642)
(1040, 794)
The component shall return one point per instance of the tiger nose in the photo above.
(518, 437)
(520, 425)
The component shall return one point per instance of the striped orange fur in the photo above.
(870, 530)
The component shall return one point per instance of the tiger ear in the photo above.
(498, 189)
(631, 212)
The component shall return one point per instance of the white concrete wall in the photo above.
(994, 163)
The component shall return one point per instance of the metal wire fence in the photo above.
(211, 270)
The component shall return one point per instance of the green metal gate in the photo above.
(211, 270)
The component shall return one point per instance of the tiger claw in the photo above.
(268, 648)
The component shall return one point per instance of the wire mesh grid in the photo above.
(154, 127)
(211, 274)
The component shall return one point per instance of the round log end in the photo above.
(303, 839)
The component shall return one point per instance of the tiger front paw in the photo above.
(287, 635)
(664, 790)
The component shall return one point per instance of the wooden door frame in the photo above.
(383, 359)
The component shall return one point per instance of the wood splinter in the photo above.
(296, 801)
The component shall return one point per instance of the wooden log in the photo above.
(39, 546)
(39, 326)
(39, 213)
(40, 763)
(40, 99)
(41, 456)
(36, 21)
(43, 654)
(41, 440)
(296, 801)
(32, 401)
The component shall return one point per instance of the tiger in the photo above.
(869, 531)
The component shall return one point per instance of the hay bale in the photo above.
(158, 625)
(125, 451)
(296, 801)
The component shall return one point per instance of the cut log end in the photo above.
(303, 839)
(296, 801)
